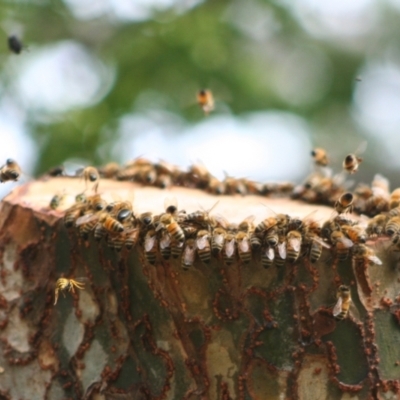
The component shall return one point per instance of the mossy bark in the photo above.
(141, 331)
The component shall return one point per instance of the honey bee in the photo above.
(342, 306)
(255, 241)
(243, 246)
(352, 161)
(203, 246)
(146, 219)
(345, 203)
(320, 157)
(15, 44)
(342, 244)
(218, 240)
(150, 246)
(168, 222)
(316, 248)
(394, 199)
(110, 170)
(361, 254)
(163, 181)
(63, 284)
(376, 226)
(202, 216)
(206, 100)
(267, 257)
(176, 248)
(131, 237)
(189, 254)
(392, 229)
(215, 186)
(165, 245)
(234, 186)
(106, 224)
(294, 240)
(56, 201)
(56, 171)
(355, 233)
(229, 248)
(10, 171)
(90, 174)
(88, 221)
(76, 210)
(266, 224)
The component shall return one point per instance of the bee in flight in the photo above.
(63, 284)
(353, 161)
(90, 174)
(14, 44)
(10, 171)
(206, 100)
(345, 203)
(342, 306)
(320, 157)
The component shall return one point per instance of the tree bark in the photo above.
(217, 331)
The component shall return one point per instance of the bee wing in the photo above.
(189, 254)
(295, 243)
(282, 250)
(230, 247)
(270, 253)
(321, 242)
(221, 221)
(215, 204)
(149, 242)
(361, 148)
(201, 242)
(165, 241)
(338, 307)
(86, 218)
(374, 259)
(244, 245)
(346, 242)
(250, 219)
(160, 226)
(309, 216)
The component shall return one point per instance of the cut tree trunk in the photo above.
(217, 331)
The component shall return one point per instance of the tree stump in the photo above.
(216, 331)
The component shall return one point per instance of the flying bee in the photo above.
(10, 171)
(267, 257)
(63, 284)
(205, 99)
(243, 246)
(342, 306)
(352, 161)
(56, 201)
(363, 254)
(165, 245)
(376, 225)
(15, 44)
(218, 240)
(345, 203)
(294, 240)
(342, 244)
(90, 174)
(189, 254)
(203, 246)
(229, 248)
(320, 157)
(150, 246)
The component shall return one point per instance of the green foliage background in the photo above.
(173, 54)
